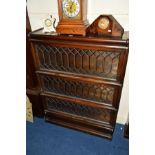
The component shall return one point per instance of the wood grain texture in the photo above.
(80, 125)
(80, 109)
(114, 29)
(92, 91)
(80, 79)
(73, 25)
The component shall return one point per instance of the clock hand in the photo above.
(71, 7)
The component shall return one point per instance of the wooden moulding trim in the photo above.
(35, 91)
(79, 128)
(80, 101)
(109, 40)
(80, 77)
(35, 57)
(117, 97)
(76, 44)
(78, 22)
(86, 120)
(125, 60)
(63, 120)
(88, 40)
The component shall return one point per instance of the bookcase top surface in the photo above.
(39, 34)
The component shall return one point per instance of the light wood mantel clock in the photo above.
(72, 17)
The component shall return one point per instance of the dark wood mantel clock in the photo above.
(105, 25)
(72, 17)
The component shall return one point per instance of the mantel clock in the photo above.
(72, 17)
(105, 25)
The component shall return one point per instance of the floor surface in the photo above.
(43, 138)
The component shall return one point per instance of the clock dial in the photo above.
(103, 23)
(48, 22)
(71, 8)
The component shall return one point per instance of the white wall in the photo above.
(38, 9)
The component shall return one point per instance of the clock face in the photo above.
(48, 22)
(103, 23)
(71, 8)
